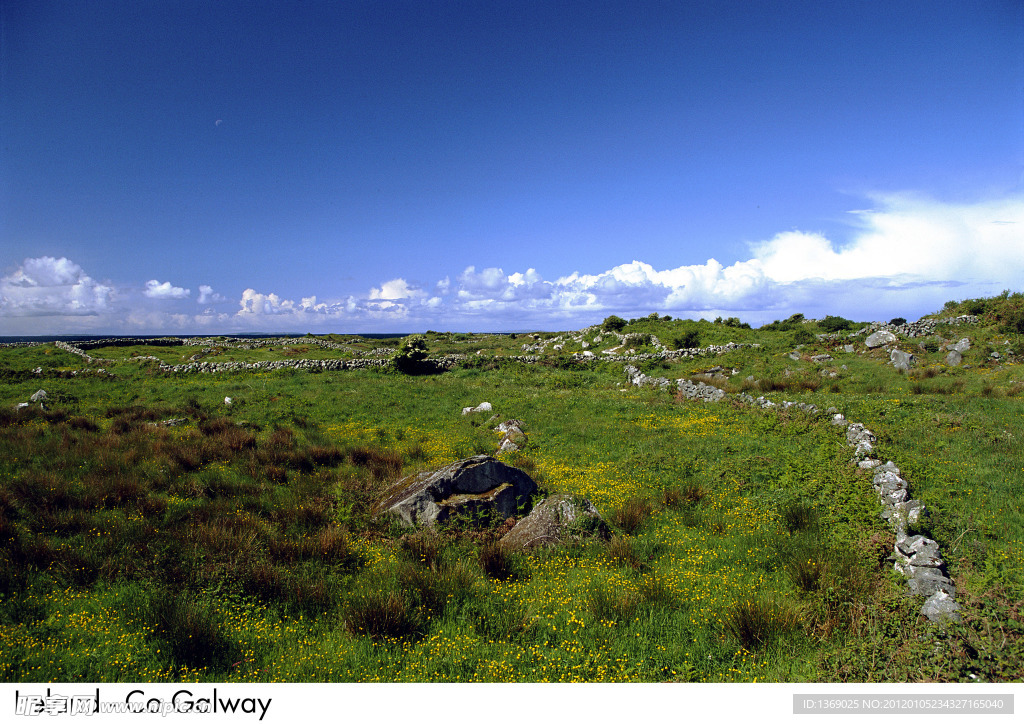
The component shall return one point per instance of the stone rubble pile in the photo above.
(512, 435)
(699, 391)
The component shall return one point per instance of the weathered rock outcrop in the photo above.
(479, 487)
(557, 520)
(879, 339)
(901, 360)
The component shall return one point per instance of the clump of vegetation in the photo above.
(831, 324)
(632, 514)
(756, 622)
(411, 354)
(688, 340)
(613, 323)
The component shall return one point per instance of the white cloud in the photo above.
(45, 286)
(208, 296)
(904, 257)
(254, 304)
(396, 289)
(157, 290)
(909, 235)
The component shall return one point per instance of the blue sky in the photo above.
(197, 167)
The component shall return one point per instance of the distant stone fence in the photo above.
(922, 327)
(712, 349)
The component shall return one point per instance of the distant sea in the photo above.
(83, 337)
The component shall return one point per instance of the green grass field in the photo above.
(239, 545)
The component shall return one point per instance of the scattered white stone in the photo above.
(482, 407)
(227, 400)
(38, 396)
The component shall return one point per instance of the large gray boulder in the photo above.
(480, 488)
(962, 346)
(557, 520)
(902, 361)
(880, 338)
(954, 358)
(941, 607)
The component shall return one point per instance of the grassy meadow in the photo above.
(240, 544)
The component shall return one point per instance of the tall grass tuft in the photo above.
(438, 588)
(382, 614)
(425, 546)
(498, 563)
(611, 604)
(632, 515)
(688, 494)
(622, 552)
(755, 622)
(192, 630)
(798, 515)
(382, 464)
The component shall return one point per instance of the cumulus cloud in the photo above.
(396, 289)
(158, 290)
(208, 296)
(45, 286)
(905, 256)
(254, 304)
(908, 236)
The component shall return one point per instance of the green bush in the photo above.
(688, 340)
(410, 355)
(834, 324)
(613, 324)
(802, 336)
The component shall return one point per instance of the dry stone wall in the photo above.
(915, 557)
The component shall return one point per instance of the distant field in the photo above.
(239, 544)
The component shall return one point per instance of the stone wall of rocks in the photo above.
(922, 327)
(915, 557)
(667, 354)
